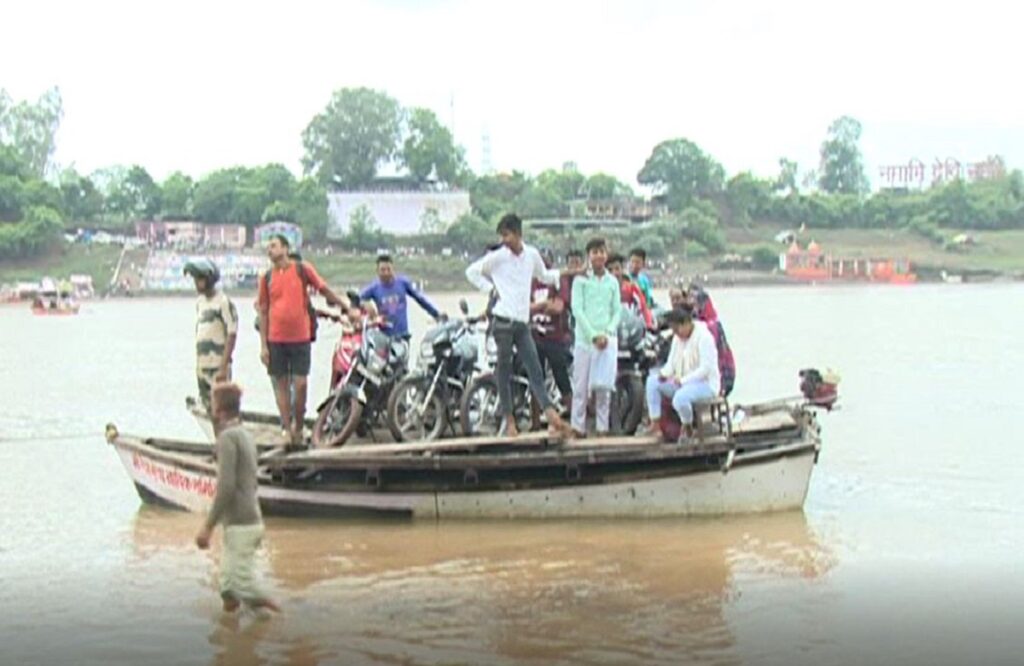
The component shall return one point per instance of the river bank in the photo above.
(991, 256)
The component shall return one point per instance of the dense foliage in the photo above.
(361, 131)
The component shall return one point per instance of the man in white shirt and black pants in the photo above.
(510, 270)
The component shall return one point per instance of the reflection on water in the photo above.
(591, 591)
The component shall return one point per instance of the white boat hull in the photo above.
(768, 480)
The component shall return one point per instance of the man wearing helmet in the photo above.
(216, 328)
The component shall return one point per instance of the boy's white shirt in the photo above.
(512, 275)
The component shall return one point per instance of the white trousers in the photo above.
(238, 563)
(593, 372)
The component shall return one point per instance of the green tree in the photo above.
(30, 218)
(470, 233)
(82, 200)
(430, 222)
(604, 186)
(747, 196)
(786, 181)
(429, 149)
(842, 168)
(564, 185)
(493, 195)
(681, 171)
(310, 208)
(136, 195)
(364, 233)
(31, 129)
(176, 202)
(352, 137)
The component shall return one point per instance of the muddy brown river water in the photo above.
(910, 547)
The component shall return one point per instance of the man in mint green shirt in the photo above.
(597, 308)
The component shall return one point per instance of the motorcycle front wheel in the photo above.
(410, 418)
(337, 421)
(479, 412)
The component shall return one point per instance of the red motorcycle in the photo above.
(365, 366)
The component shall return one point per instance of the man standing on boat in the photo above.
(390, 293)
(235, 505)
(287, 329)
(216, 328)
(691, 373)
(510, 270)
(637, 264)
(552, 332)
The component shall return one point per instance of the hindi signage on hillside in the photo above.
(915, 173)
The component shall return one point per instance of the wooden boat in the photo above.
(762, 464)
(61, 308)
(264, 428)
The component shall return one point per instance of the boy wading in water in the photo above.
(235, 506)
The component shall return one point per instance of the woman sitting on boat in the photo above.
(704, 310)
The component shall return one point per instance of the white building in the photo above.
(402, 213)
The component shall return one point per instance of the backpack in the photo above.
(311, 311)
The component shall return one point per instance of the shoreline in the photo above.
(710, 280)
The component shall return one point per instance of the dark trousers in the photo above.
(508, 335)
(558, 357)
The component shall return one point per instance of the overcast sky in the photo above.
(200, 85)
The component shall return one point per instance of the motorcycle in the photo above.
(426, 403)
(478, 412)
(637, 354)
(361, 383)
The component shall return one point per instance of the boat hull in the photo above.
(767, 479)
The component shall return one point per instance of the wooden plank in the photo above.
(776, 420)
(529, 439)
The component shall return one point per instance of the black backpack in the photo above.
(313, 323)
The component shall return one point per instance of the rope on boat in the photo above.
(35, 438)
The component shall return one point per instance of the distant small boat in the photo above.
(55, 308)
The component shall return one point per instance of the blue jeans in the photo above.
(682, 397)
(516, 334)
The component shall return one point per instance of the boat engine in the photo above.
(821, 390)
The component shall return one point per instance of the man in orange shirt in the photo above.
(286, 330)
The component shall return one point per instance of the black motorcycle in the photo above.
(636, 357)
(478, 413)
(427, 402)
(359, 398)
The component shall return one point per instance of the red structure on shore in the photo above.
(813, 265)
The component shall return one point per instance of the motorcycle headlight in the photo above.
(426, 350)
(376, 364)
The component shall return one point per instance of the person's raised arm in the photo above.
(479, 272)
(322, 288)
(420, 298)
(549, 276)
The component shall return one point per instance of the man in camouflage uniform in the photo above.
(216, 328)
